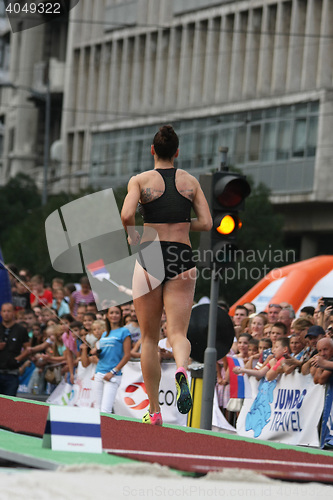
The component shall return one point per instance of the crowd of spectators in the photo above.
(49, 329)
(277, 342)
(57, 328)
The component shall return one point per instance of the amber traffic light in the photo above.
(225, 193)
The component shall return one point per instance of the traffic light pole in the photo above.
(225, 192)
(209, 373)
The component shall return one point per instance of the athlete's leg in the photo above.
(178, 301)
(178, 296)
(148, 308)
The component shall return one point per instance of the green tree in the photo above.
(22, 226)
(18, 198)
(23, 237)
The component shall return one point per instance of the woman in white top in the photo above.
(113, 350)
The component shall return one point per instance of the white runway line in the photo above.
(219, 459)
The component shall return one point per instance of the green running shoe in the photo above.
(184, 399)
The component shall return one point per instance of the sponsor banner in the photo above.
(286, 410)
(327, 423)
(62, 395)
(132, 400)
(79, 394)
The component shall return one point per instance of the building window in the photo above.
(312, 136)
(299, 137)
(240, 144)
(183, 6)
(283, 140)
(11, 142)
(254, 145)
(271, 144)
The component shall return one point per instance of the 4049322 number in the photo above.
(34, 8)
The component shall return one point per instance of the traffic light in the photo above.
(225, 193)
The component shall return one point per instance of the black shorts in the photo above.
(177, 258)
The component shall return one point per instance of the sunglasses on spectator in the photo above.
(275, 305)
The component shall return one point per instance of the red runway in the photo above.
(185, 450)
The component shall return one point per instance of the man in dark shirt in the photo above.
(21, 297)
(14, 340)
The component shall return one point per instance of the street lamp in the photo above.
(46, 97)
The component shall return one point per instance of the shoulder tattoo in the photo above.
(188, 193)
(149, 194)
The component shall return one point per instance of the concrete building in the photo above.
(4, 71)
(35, 71)
(252, 75)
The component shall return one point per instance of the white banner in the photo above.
(286, 410)
(132, 400)
(79, 394)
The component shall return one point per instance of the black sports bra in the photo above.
(171, 206)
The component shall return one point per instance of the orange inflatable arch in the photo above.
(300, 279)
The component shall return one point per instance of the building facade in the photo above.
(4, 72)
(35, 69)
(252, 75)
